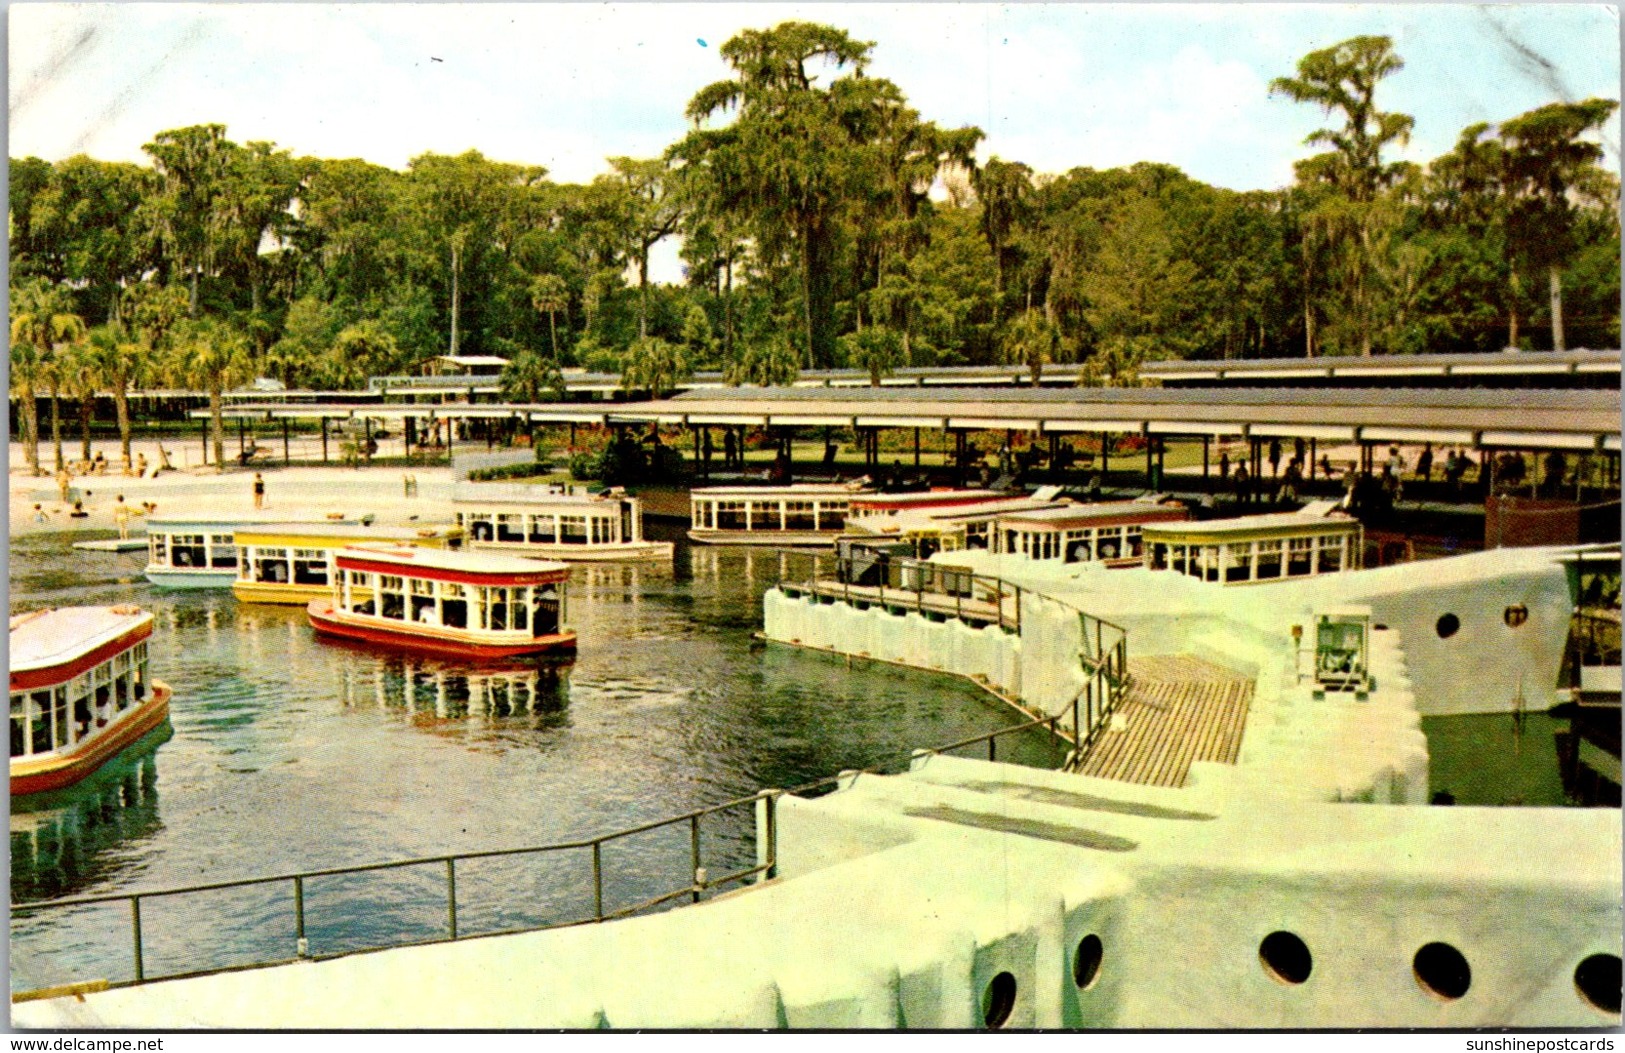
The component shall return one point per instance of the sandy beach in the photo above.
(290, 492)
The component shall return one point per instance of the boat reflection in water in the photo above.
(65, 841)
(534, 692)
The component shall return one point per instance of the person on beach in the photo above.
(64, 482)
(259, 490)
(141, 465)
(79, 511)
(121, 518)
(39, 514)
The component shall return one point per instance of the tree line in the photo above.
(823, 222)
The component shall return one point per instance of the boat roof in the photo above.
(925, 498)
(1273, 522)
(178, 524)
(480, 564)
(55, 636)
(793, 490)
(345, 533)
(1072, 515)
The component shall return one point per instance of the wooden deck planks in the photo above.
(1179, 710)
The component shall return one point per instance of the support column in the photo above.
(204, 422)
(916, 447)
(1314, 459)
(1207, 442)
(1105, 455)
(324, 440)
(242, 432)
(287, 455)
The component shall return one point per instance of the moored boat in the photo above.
(461, 604)
(1109, 532)
(1251, 549)
(202, 553)
(80, 693)
(800, 514)
(293, 562)
(553, 522)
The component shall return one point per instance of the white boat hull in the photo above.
(171, 578)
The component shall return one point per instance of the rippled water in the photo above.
(290, 754)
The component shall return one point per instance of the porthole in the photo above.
(1447, 626)
(1598, 981)
(998, 1001)
(1442, 971)
(1086, 962)
(1286, 957)
(1515, 615)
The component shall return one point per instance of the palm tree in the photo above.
(121, 359)
(213, 355)
(81, 378)
(42, 317)
(528, 374)
(1031, 340)
(654, 364)
(878, 349)
(26, 375)
(550, 295)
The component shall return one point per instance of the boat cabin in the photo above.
(554, 522)
(467, 604)
(80, 692)
(293, 562)
(1081, 533)
(202, 553)
(802, 514)
(1256, 548)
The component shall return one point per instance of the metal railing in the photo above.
(763, 805)
(888, 580)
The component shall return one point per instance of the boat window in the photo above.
(423, 609)
(799, 515)
(1238, 561)
(121, 689)
(271, 564)
(391, 598)
(543, 529)
(19, 724)
(520, 609)
(573, 530)
(498, 614)
(1331, 555)
(481, 529)
(187, 550)
(422, 587)
(361, 579)
(510, 526)
(546, 611)
(310, 566)
(140, 666)
(222, 551)
(158, 549)
(600, 529)
(453, 605)
(1300, 556)
(768, 515)
(730, 515)
(1269, 559)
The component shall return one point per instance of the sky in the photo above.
(568, 85)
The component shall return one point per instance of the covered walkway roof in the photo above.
(1576, 419)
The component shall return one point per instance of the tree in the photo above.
(86, 213)
(876, 348)
(27, 373)
(549, 294)
(654, 365)
(1343, 79)
(81, 377)
(362, 350)
(653, 211)
(1545, 160)
(121, 359)
(42, 318)
(212, 355)
(528, 376)
(1031, 340)
(1004, 189)
(799, 155)
(768, 363)
(187, 215)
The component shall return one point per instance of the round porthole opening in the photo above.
(1442, 971)
(998, 1001)
(1086, 962)
(1447, 626)
(1515, 615)
(1286, 957)
(1598, 981)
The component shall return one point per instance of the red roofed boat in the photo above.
(80, 693)
(459, 604)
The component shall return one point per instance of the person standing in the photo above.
(64, 482)
(259, 490)
(121, 518)
(1424, 464)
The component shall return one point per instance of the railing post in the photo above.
(694, 853)
(451, 896)
(598, 880)
(992, 747)
(135, 935)
(772, 835)
(300, 945)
